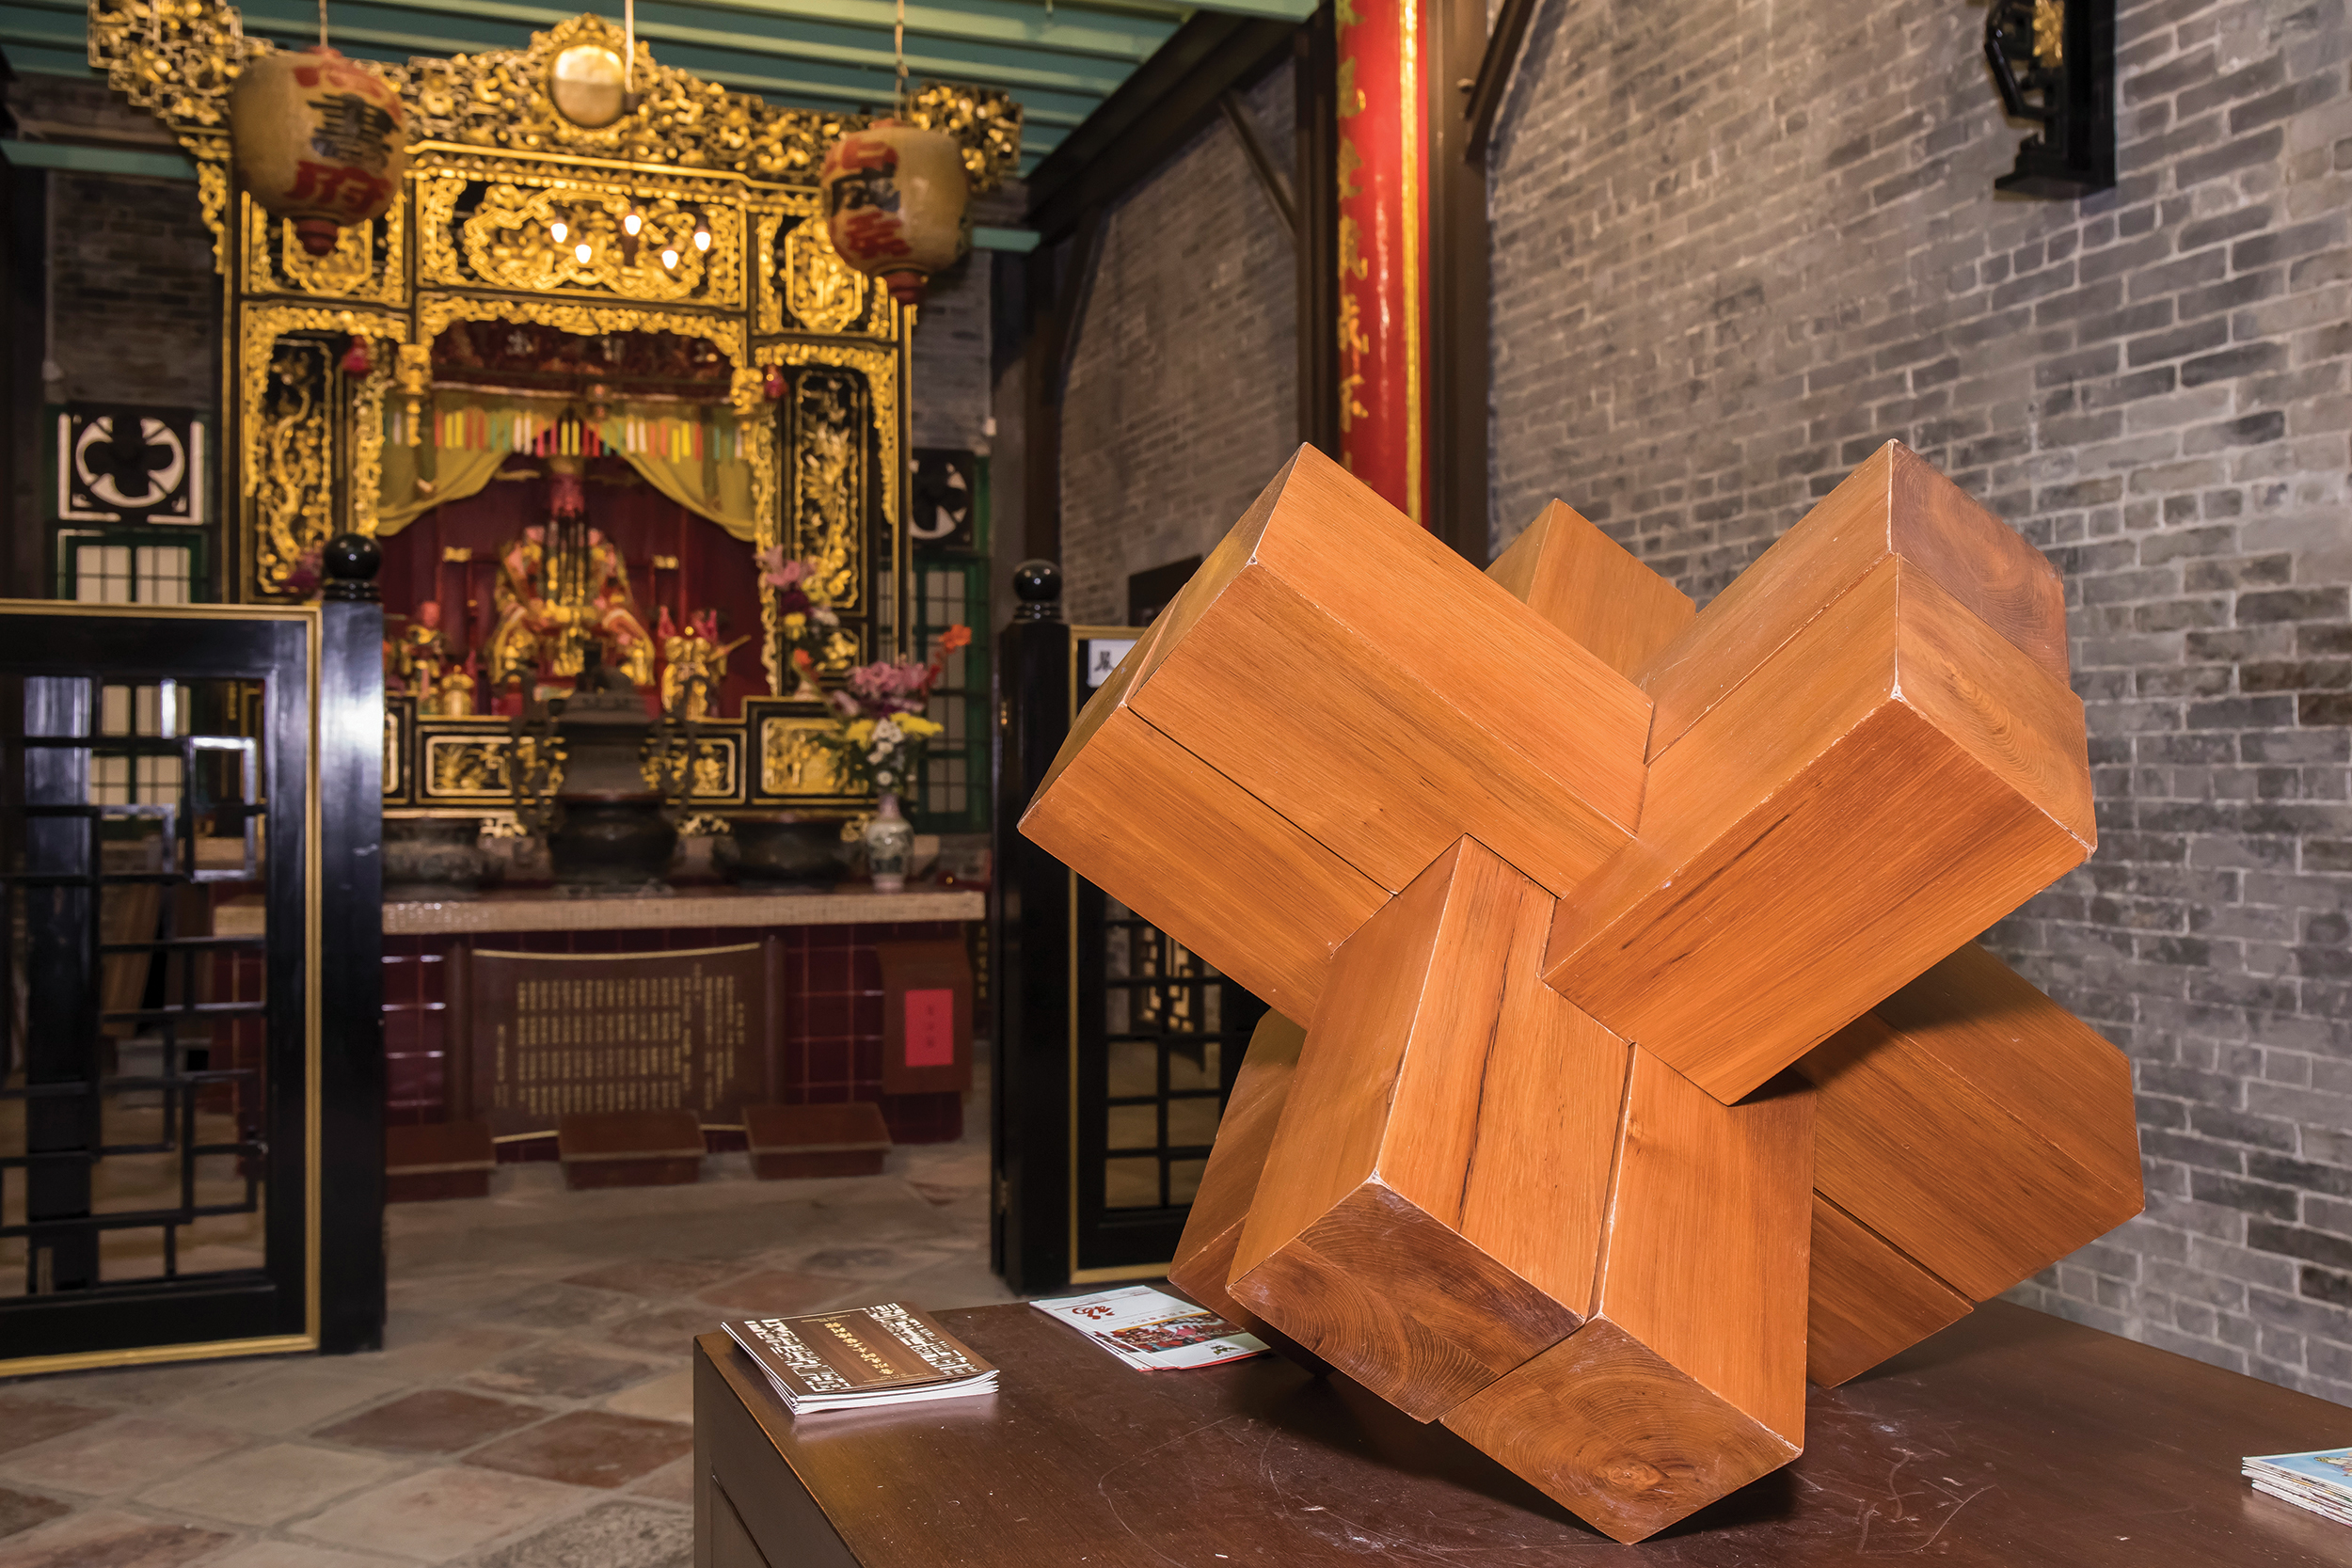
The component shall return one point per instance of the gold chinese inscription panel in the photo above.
(546, 1035)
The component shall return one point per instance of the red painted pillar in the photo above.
(1382, 186)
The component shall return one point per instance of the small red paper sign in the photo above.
(931, 1028)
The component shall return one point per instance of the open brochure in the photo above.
(2320, 1480)
(1152, 1330)
(861, 1356)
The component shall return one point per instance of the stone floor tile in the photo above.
(432, 1421)
(775, 1290)
(589, 1448)
(436, 1514)
(667, 1333)
(460, 1349)
(673, 1483)
(102, 1538)
(151, 1388)
(958, 1282)
(127, 1453)
(555, 1306)
(21, 1511)
(561, 1370)
(658, 1277)
(266, 1487)
(28, 1417)
(610, 1535)
(667, 1398)
(290, 1398)
(298, 1554)
(865, 1260)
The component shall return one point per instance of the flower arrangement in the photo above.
(803, 616)
(882, 730)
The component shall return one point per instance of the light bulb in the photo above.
(559, 230)
(669, 258)
(582, 251)
(702, 235)
(632, 223)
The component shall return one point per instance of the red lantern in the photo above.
(895, 200)
(319, 139)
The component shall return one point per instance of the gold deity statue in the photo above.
(693, 663)
(560, 587)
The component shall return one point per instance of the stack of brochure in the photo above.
(890, 1354)
(1152, 1331)
(2320, 1480)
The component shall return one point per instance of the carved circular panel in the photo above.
(586, 84)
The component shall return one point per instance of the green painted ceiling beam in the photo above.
(97, 160)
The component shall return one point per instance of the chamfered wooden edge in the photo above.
(1893, 502)
(1592, 588)
(1972, 760)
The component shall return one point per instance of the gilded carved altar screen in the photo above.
(514, 213)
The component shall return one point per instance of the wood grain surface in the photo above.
(1867, 1301)
(1594, 589)
(1355, 675)
(1204, 1254)
(1988, 1135)
(1890, 781)
(1195, 853)
(1687, 1379)
(1893, 504)
(2009, 1440)
(1431, 1202)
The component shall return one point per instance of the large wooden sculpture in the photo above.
(1642, 1061)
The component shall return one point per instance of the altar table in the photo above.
(2011, 1440)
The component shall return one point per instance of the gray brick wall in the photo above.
(1183, 395)
(1738, 246)
(134, 302)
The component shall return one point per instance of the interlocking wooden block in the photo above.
(1196, 854)
(1372, 687)
(1431, 1203)
(1976, 1131)
(1482, 1205)
(1538, 1170)
(1592, 588)
(1686, 1380)
(1887, 781)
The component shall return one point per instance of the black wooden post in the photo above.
(351, 967)
(1029, 937)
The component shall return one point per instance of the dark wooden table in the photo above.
(2011, 1440)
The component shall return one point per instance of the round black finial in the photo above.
(352, 560)
(1037, 585)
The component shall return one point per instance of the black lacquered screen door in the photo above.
(1160, 1037)
(158, 900)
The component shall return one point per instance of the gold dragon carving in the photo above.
(509, 242)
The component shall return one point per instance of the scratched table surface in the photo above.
(2010, 1440)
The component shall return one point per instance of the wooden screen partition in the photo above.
(1542, 1169)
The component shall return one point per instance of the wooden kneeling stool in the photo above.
(448, 1159)
(629, 1148)
(797, 1142)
